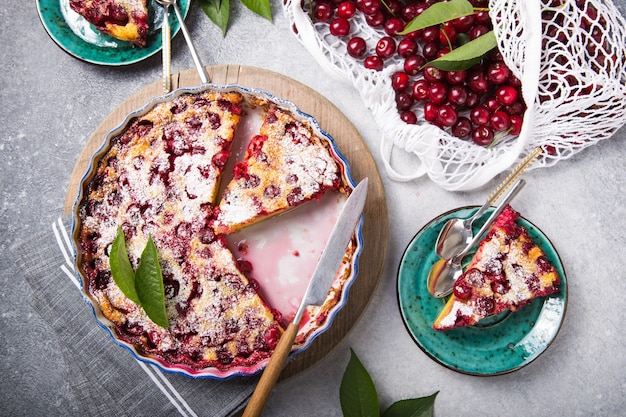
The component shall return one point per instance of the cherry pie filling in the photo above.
(507, 272)
(160, 178)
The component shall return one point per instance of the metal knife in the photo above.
(315, 294)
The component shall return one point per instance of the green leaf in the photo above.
(357, 392)
(121, 269)
(260, 7)
(149, 285)
(439, 13)
(415, 407)
(467, 55)
(218, 12)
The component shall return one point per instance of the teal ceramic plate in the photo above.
(500, 345)
(81, 40)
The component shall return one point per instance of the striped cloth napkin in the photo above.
(105, 378)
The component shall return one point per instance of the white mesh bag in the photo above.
(570, 56)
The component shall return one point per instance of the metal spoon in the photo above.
(166, 38)
(194, 54)
(457, 233)
(445, 272)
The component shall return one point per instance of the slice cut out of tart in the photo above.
(284, 166)
(506, 273)
(126, 20)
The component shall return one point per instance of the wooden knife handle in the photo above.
(271, 373)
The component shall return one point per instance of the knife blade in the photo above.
(315, 294)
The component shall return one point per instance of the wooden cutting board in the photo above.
(349, 142)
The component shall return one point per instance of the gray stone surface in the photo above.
(51, 102)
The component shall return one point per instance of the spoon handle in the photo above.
(166, 50)
(509, 196)
(517, 171)
(194, 54)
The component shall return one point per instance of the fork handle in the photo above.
(517, 171)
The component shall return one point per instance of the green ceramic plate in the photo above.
(81, 40)
(500, 345)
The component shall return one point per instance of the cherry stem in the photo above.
(498, 137)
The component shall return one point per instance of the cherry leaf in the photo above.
(467, 55)
(439, 13)
(357, 393)
(121, 269)
(260, 7)
(218, 12)
(415, 407)
(149, 285)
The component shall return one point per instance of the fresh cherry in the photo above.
(385, 47)
(374, 62)
(462, 128)
(506, 94)
(356, 47)
(400, 81)
(408, 117)
(346, 9)
(482, 135)
(500, 121)
(407, 47)
(340, 26)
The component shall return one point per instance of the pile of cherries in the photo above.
(480, 103)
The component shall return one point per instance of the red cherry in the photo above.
(457, 95)
(369, 7)
(464, 23)
(492, 104)
(498, 73)
(500, 121)
(409, 12)
(347, 9)
(479, 115)
(447, 34)
(408, 117)
(413, 64)
(374, 62)
(430, 34)
(477, 82)
(400, 81)
(385, 47)
(340, 26)
(482, 135)
(356, 47)
(478, 31)
(393, 26)
(420, 89)
(516, 125)
(375, 20)
(323, 11)
(462, 128)
(482, 18)
(506, 94)
(430, 50)
(455, 77)
(447, 115)
(404, 101)
(407, 47)
(437, 93)
(430, 111)
(433, 74)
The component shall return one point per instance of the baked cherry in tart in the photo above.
(507, 272)
(160, 178)
(284, 166)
